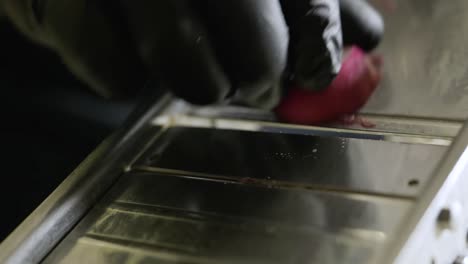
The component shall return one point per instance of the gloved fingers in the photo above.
(250, 39)
(315, 49)
(362, 24)
(177, 49)
(88, 42)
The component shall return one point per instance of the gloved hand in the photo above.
(206, 51)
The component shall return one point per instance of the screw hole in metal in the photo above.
(413, 182)
(444, 219)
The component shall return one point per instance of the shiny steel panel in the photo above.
(383, 123)
(151, 216)
(303, 160)
(423, 238)
(178, 120)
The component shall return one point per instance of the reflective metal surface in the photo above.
(299, 160)
(423, 239)
(383, 123)
(210, 194)
(425, 56)
(163, 217)
(262, 126)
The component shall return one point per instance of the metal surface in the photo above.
(422, 239)
(184, 201)
(383, 123)
(308, 161)
(262, 126)
(212, 194)
(461, 260)
(213, 222)
(425, 56)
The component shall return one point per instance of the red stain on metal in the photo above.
(354, 119)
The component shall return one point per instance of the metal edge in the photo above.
(416, 125)
(444, 180)
(182, 120)
(44, 228)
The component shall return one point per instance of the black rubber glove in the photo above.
(205, 51)
(362, 24)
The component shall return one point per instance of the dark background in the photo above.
(49, 123)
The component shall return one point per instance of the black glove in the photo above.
(205, 51)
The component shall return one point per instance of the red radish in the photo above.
(358, 78)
